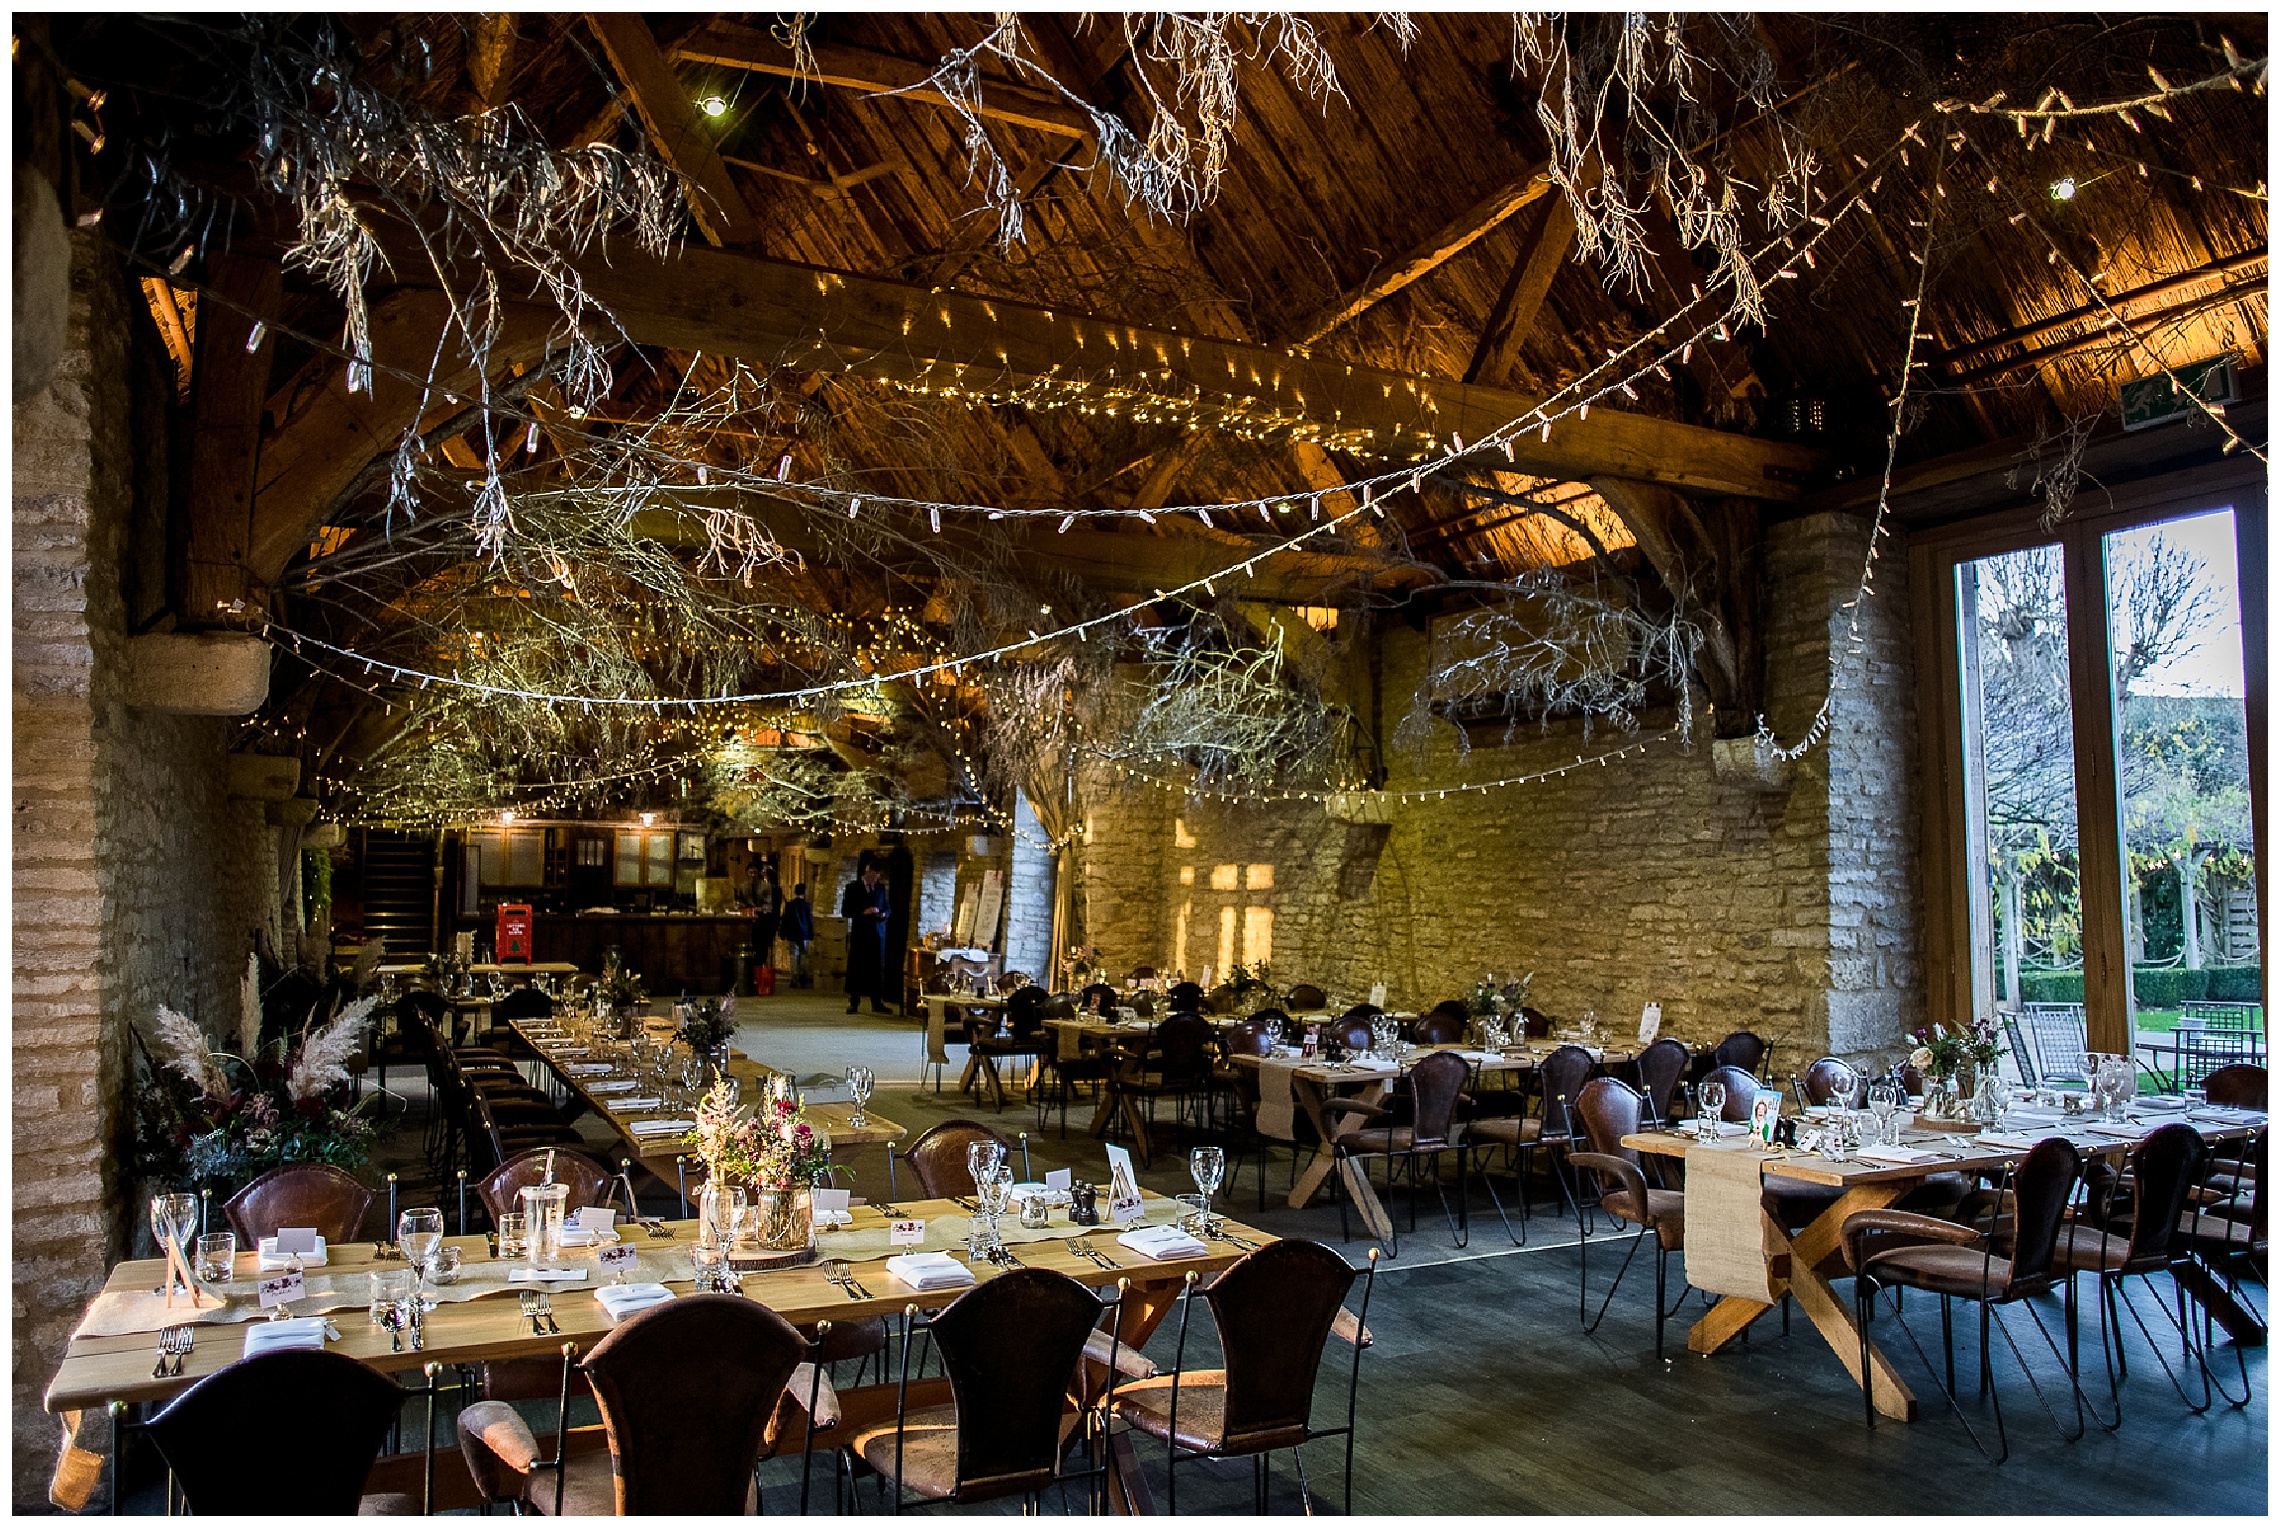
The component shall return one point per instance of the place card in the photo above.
(906, 1233)
(829, 1201)
(620, 1259)
(1060, 1179)
(297, 1241)
(597, 1218)
(1125, 1207)
(282, 1290)
(1650, 1023)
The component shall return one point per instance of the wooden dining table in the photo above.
(1314, 1084)
(847, 1138)
(1809, 1260)
(100, 1370)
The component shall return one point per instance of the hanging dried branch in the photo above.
(1554, 648)
(1233, 706)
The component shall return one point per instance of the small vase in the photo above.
(786, 1218)
(712, 1215)
(1941, 1099)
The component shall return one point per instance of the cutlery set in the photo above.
(1079, 1247)
(173, 1344)
(538, 1309)
(844, 1277)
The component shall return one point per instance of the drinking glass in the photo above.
(859, 1083)
(982, 1160)
(708, 1262)
(1884, 1103)
(418, 1234)
(512, 1228)
(391, 1287)
(217, 1256)
(1711, 1103)
(1207, 1165)
(1194, 1217)
(445, 1266)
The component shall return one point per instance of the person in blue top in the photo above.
(798, 930)
(865, 907)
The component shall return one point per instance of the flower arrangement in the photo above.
(219, 1120)
(710, 1025)
(1942, 1052)
(1078, 964)
(620, 987)
(772, 1144)
(1244, 980)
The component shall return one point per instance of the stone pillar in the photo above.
(1029, 898)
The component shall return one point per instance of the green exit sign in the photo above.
(2158, 400)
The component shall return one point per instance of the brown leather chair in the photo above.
(1010, 1347)
(1024, 1036)
(1184, 997)
(1306, 995)
(1895, 1249)
(1741, 1087)
(1350, 1029)
(1099, 998)
(1436, 1088)
(938, 1158)
(1559, 1079)
(1606, 1112)
(1742, 1049)
(686, 1390)
(1177, 1063)
(1830, 1078)
(1275, 1310)
(1662, 1066)
(1445, 1025)
(588, 1181)
(1792, 1201)
(291, 1433)
(317, 1194)
(2239, 1085)
(1140, 974)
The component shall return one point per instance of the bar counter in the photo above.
(672, 952)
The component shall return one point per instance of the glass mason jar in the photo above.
(543, 1205)
(786, 1222)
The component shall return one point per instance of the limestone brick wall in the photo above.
(1028, 896)
(137, 879)
(1792, 913)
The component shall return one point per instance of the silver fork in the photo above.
(1079, 1247)
(170, 1346)
(546, 1309)
(188, 1340)
(530, 1312)
(844, 1277)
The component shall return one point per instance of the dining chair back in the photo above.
(1910, 1077)
(1445, 1025)
(2040, 1189)
(2060, 1036)
(1562, 1075)
(2240, 1086)
(1349, 1031)
(525, 1002)
(1025, 1013)
(1534, 1022)
(2167, 1165)
(500, 1188)
(1059, 1006)
(668, 1456)
(2022, 1055)
(1607, 1110)
(1435, 1085)
(1100, 997)
(1830, 1078)
(1661, 1066)
(1257, 1035)
(1009, 1346)
(2203, 1051)
(1185, 997)
(1741, 1092)
(1740, 1049)
(1274, 1309)
(285, 1433)
(1183, 1043)
(1307, 996)
(316, 1194)
(1140, 974)
(938, 1158)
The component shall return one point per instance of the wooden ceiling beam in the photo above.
(1469, 228)
(229, 387)
(491, 56)
(732, 45)
(674, 127)
(1519, 304)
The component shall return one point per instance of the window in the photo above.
(2091, 768)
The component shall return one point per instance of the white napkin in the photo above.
(1725, 1127)
(662, 1126)
(1897, 1156)
(622, 1085)
(2163, 1105)
(622, 1300)
(546, 1275)
(1163, 1243)
(273, 1261)
(929, 1270)
(2128, 1130)
(1481, 1055)
(622, 1104)
(2009, 1142)
(2228, 1114)
(275, 1336)
(1371, 1066)
(581, 1236)
(588, 1068)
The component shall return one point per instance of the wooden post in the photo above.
(2109, 1006)
(229, 386)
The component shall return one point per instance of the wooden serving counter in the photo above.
(672, 952)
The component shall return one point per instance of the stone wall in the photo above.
(1790, 912)
(137, 879)
(1029, 896)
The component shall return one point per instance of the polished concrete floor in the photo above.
(1482, 1393)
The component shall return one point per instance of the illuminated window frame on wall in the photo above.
(1954, 990)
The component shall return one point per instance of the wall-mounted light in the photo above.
(648, 819)
(2063, 189)
(715, 105)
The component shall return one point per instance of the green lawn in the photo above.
(2161, 1019)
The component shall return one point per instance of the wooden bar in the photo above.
(673, 952)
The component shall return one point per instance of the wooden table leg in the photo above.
(1109, 1094)
(2239, 1322)
(1374, 1214)
(1310, 1097)
(1817, 1244)
(1310, 1181)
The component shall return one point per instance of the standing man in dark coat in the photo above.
(865, 908)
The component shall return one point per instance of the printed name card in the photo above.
(282, 1290)
(906, 1233)
(829, 1201)
(1650, 1023)
(1060, 1178)
(620, 1259)
(1124, 1204)
(296, 1241)
(597, 1219)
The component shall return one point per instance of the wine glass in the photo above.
(860, 1080)
(1207, 1165)
(418, 1234)
(983, 1159)
(1884, 1103)
(1712, 1104)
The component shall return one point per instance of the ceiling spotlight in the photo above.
(713, 105)
(2063, 189)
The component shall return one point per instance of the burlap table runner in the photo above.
(1278, 1108)
(1730, 1240)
